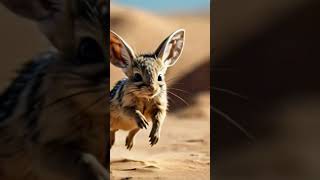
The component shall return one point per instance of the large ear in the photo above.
(171, 48)
(53, 16)
(121, 54)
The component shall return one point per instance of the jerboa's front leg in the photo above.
(157, 122)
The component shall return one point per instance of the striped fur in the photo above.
(53, 116)
(128, 96)
(141, 98)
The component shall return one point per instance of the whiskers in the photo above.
(78, 93)
(84, 109)
(215, 110)
(233, 122)
(74, 81)
(171, 89)
(226, 116)
(180, 98)
(88, 107)
(230, 92)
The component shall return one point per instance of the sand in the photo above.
(183, 151)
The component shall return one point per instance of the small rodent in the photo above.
(141, 98)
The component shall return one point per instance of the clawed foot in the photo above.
(154, 138)
(129, 143)
(130, 138)
(141, 121)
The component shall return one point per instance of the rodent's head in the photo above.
(146, 72)
(77, 30)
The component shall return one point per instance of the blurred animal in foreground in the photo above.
(53, 115)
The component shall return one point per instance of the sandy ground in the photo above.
(183, 151)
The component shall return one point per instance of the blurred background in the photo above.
(167, 6)
(184, 148)
(267, 51)
(20, 40)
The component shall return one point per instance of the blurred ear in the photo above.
(53, 16)
(121, 54)
(171, 48)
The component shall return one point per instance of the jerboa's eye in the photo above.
(89, 51)
(137, 77)
(160, 78)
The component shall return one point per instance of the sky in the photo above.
(161, 6)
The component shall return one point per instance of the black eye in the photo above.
(137, 77)
(89, 51)
(160, 78)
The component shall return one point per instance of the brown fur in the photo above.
(137, 101)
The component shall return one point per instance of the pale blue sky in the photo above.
(160, 6)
